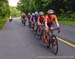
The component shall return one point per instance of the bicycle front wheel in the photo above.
(54, 44)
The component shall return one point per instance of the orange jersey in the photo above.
(41, 19)
(51, 19)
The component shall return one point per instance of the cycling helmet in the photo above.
(33, 14)
(50, 11)
(29, 14)
(41, 13)
(36, 13)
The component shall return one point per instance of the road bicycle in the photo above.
(50, 39)
(24, 22)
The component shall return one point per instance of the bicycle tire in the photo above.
(24, 23)
(38, 31)
(42, 36)
(53, 37)
(29, 24)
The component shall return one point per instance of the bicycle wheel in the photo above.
(38, 31)
(53, 44)
(35, 28)
(29, 24)
(24, 23)
(43, 36)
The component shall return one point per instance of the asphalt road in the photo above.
(68, 33)
(19, 42)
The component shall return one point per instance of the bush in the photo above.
(14, 12)
(2, 22)
(67, 16)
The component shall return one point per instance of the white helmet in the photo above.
(33, 14)
(41, 13)
(29, 14)
(50, 11)
(23, 13)
(36, 12)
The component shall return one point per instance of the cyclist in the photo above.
(49, 19)
(41, 20)
(36, 17)
(23, 17)
(11, 18)
(28, 17)
(35, 20)
(32, 19)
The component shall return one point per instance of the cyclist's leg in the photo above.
(50, 29)
(22, 20)
(40, 27)
(35, 25)
(32, 24)
(48, 32)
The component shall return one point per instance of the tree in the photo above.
(60, 6)
(4, 8)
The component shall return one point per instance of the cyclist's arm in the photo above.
(38, 20)
(58, 27)
(54, 17)
(46, 22)
(34, 19)
(57, 23)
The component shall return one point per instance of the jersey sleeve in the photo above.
(54, 17)
(45, 18)
(38, 18)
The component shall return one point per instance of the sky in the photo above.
(13, 2)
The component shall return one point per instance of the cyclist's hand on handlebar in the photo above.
(58, 28)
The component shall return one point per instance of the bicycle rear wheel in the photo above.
(38, 31)
(24, 23)
(53, 44)
(35, 28)
(43, 36)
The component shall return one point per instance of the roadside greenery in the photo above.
(65, 9)
(14, 12)
(68, 15)
(2, 22)
(4, 12)
(67, 18)
(70, 23)
(60, 6)
(4, 8)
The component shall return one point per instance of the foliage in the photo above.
(2, 22)
(67, 17)
(14, 11)
(4, 8)
(70, 23)
(4, 12)
(32, 5)
(60, 6)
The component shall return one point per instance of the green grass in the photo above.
(2, 22)
(71, 23)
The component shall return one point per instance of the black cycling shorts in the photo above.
(49, 24)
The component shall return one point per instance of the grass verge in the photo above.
(71, 23)
(2, 22)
